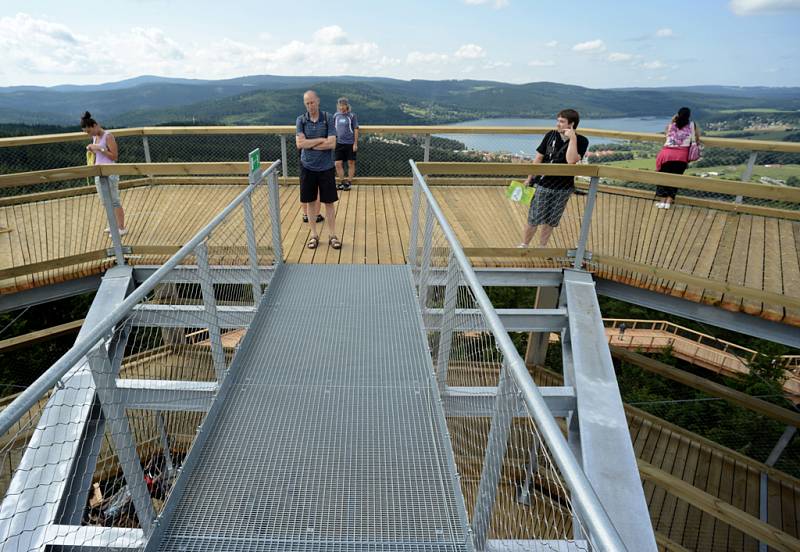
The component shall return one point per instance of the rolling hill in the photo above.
(268, 99)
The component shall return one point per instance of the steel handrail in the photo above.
(28, 398)
(593, 513)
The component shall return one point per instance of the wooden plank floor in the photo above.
(373, 223)
(711, 468)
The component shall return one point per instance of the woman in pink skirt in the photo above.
(674, 156)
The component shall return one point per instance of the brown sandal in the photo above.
(313, 242)
(334, 242)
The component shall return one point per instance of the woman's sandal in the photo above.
(313, 242)
(334, 242)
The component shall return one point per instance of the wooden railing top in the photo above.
(731, 143)
(714, 185)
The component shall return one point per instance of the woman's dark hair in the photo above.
(683, 116)
(87, 121)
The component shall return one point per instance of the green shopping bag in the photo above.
(519, 192)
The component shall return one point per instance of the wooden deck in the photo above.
(757, 252)
(724, 474)
(699, 354)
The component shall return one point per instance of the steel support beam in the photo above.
(210, 301)
(189, 316)
(507, 545)
(783, 442)
(514, 320)
(510, 277)
(427, 245)
(734, 321)
(538, 342)
(275, 215)
(166, 395)
(252, 250)
(446, 331)
(505, 404)
(36, 493)
(91, 538)
(45, 294)
(464, 402)
(119, 429)
(188, 274)
(608, 458)
(414, 231)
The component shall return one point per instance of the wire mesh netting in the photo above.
(512, 487)
(93, 462)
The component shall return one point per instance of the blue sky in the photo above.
(594, 43)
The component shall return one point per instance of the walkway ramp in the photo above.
(328, 433)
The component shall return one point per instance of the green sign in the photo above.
(255, 161)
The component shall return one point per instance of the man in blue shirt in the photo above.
(316, 137)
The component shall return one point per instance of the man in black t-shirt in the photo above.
(562, 145)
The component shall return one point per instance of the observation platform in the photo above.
(690, 251)
(407, 359)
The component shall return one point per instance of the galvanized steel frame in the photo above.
(99, 372)
(602, 531)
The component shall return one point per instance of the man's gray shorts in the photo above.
(547, 206)
(113, 188)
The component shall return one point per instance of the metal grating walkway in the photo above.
(330, 435)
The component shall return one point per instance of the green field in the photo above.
(754, 110)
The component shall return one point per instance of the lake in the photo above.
(526, 144)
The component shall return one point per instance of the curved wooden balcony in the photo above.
(725, 243)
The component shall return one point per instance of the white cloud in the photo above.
(426, 57)
(489, 65)
(754, 7)
(653, 65)
(40, 46)
(664, 33)
(551, 44)
(470, 51)
(331, 35)
(590, 46)
(619, 56)
(541, 63)
(32, 45)
(496, 3)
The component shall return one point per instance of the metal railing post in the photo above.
(531, 470)
(146, 147)
(116, 239)
(252, 248)
(780, 446)
(448, 317)
(587, 222)
(275, 215)
(121, 435)
(284, 159)
(427, 245)
(748, 172)
(426, 148)
(210, 305)
(412, 240)
(162, 431)
(493, 459)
